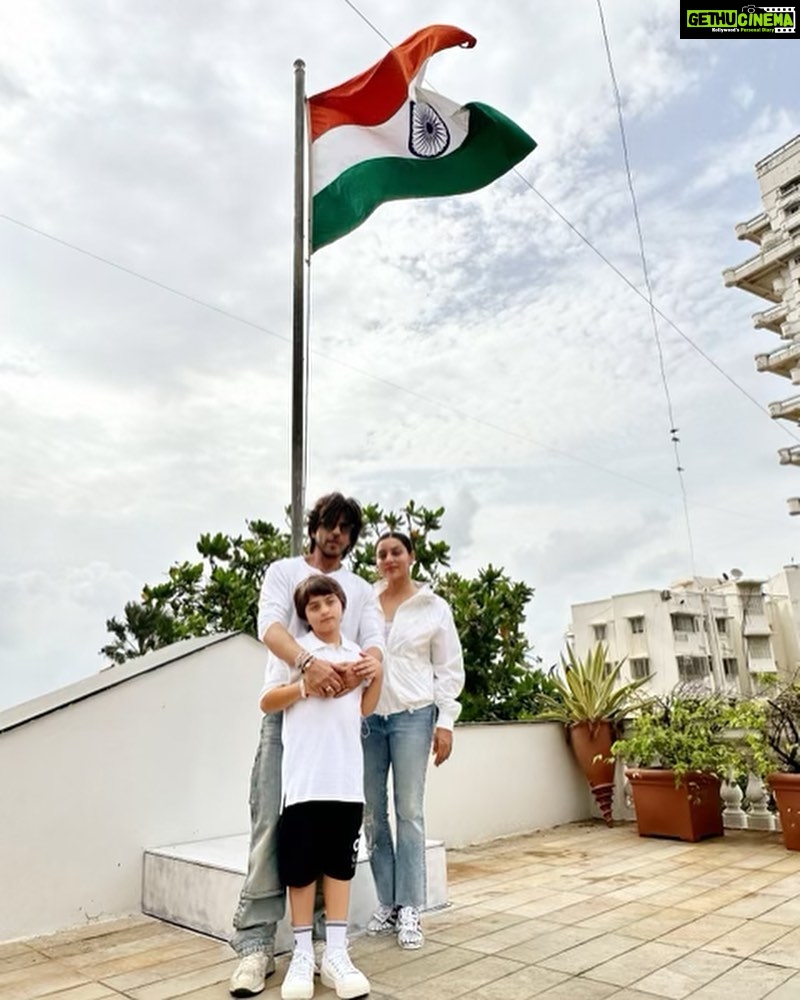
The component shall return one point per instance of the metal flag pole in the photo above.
(299, 337)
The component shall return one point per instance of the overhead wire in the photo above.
(363, 372)
(673, 429)
(609, 263)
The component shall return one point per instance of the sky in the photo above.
(474, 352)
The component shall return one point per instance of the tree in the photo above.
(220, 594)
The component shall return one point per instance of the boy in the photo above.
(323, 779)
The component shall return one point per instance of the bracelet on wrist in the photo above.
(302, 661)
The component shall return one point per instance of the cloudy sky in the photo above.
(472, 352)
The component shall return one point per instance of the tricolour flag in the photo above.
(381, 137)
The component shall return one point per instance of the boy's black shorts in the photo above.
(318, 838)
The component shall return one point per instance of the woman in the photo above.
(423, 677)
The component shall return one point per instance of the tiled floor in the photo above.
(578, 913)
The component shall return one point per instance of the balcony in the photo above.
(771, 319)
(758, 274)
(790, 456)
(787, 409)
(794, 505)
(780, 362)
(753, 229)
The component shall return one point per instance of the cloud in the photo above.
(471, 352)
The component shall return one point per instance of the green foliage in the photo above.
(502, 681)
(697, 732)
(782, 724)
(589, 691)
(219, 593)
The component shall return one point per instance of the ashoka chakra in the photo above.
(428, 135)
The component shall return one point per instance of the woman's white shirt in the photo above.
(423, 662)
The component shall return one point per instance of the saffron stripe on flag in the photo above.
(375, 95)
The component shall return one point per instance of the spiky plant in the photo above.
(590, 690)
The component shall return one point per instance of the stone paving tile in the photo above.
(790, 990)
(37, 981)
(459, 981)
(659, 923)
(459, 933)
(12, 948)
(752, 980)
(98, 929)
(586, 956)
(622, 916)
(578, 988)
(545, 945)
(636, 963)
(125, 981)
(681, 978)
(701, 931)
(747, 939)
(785, 951)
(530, 981)
(21, 960)
(785, 913)
(176, 986)
(90, 991)
(418, 970)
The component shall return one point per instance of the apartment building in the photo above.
(729, 634)
(774, 274)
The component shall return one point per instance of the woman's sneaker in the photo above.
(339, 973)
(409, 932)
(298, 983)
(383, 920)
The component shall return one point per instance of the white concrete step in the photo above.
(197, 885)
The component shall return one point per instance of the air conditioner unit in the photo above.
(666, 595)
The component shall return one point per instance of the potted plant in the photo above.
(589, 701)
(678, 749)
(783, 736)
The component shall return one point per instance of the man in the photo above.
(334, 525)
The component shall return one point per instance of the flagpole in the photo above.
(299, 343)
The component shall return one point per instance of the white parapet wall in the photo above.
(159, 750)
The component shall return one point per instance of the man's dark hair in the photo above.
(329, 510)
(316, 585)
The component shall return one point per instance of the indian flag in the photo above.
(381, 136)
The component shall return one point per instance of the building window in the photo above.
(640, 667)
(758, 646)
(599, 632)
(753, 604)
(693, 668)
(722, 625)
(637, 624)
(730, 667)
(684, 623)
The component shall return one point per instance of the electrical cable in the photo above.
(673, 429)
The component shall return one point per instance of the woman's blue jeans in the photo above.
(402, 742)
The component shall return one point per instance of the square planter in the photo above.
(690, 810)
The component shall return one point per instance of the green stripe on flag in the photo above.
(493, 146)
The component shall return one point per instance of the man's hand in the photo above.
(325, 679)
(442, 745)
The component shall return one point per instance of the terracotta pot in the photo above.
(786, 789)
(691, 810)
(591, 744)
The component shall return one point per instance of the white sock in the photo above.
(302, 940)
(336, 935)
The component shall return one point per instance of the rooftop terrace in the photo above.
(579, 912)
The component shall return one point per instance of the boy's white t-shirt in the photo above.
(322, 755)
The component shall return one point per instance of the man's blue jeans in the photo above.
(262, 901)
(402, 742)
